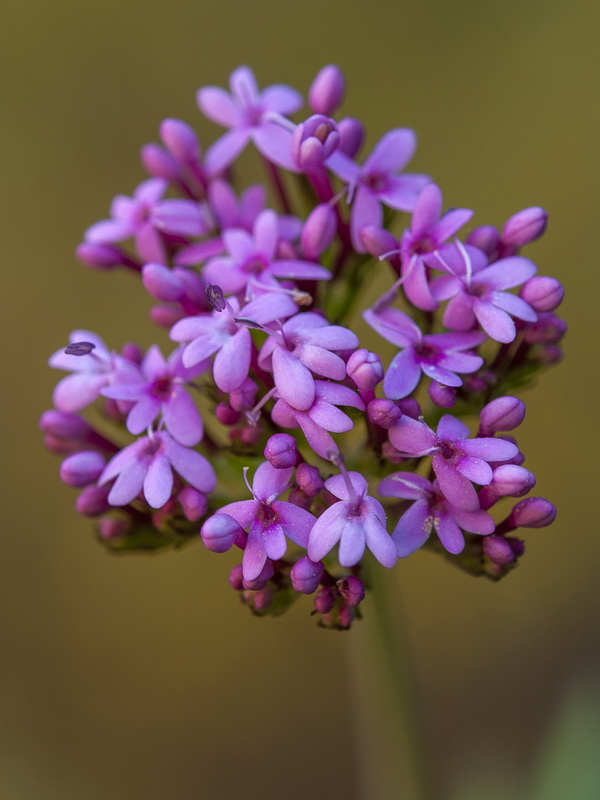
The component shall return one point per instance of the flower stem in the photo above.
(390, 744)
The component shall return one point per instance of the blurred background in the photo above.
(143, 677)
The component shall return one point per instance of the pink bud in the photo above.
(326, 93)
(352, 590)
(542, 293)
(352, 134)
(162, 283)
(313, 141)
(226, 415)
(99, 256)
(383, 412)
(525, 226)
(93, 501)
(533, 512)
(244, 397)
(193, 503)
(318, 231)
(65, 425)
(512, 480)
(502, 414)
(263, 599)
(281, 451)
(181, 140)
(258, 583)
(365, 369)
(159, 163)
(549, 329)
(236, 578)
(324, 600)
(114, 527)
(82, 468)
(410, 407)
(498, 550)
(486, 238)
(346, 616)
(309, 479)
(306, 575)
(219, 532)
(442, 396)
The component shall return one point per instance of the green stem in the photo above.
(391, 753)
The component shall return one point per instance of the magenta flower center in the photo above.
(161, 388)
(266, 516)
(376, 182)
(426, 352)
(425, 244)
(254, 265)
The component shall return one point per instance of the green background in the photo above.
(143, 677)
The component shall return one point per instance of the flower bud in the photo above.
(261, 580)
(219, 532)
(162, 283)
(549, 329)
(93, 501)
(226, 415)
(132, 352)
(525, 226)
(306, 575)
(263, 599)
(309, 479)
(193, 503)
(442, 396)
(236, 578)
(82, 468)
(114, 527)
(60, 447)
(318, 231)
(365, 369)
(313, 141)
(512, 480)
(65, 425)
(410, 407)
(281, 451)
(502, 414)
(486, 238)
(324, 600)
(352, 590)
(352, 134)
(250, 435)
(533, 512)
(542, 293)
(498, 550)
(159, 163)
(244, 397)
(346, 616)
(181, 141)
(548, 354)
(299, 498)
(99, 256)
(326, 93)
(383, 412)
(165, 317)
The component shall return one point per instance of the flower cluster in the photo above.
(266, 385)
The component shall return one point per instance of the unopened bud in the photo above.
(318, 231)
(261, 580)
(193, 503)
(93, 501)
(501, 414)
(352, 590)
(65, 425)
(181, 140)
(533, 512)
(313, 141)
(99, 256)
(82, 468)
(365, 369)
(306, 575)
(549, 329)
(219, 532)
(485, 238)
(244, 397)
(442, 396)
(324, 600)
(383, 412)
(159, 163)
(352, 134)
(226, 414)
(162, 283)
(114, 527)
(236, 578)
(498, 550)
(309, 479)
(326, 93)
(281, 451)
(542, 293)
(525, 226)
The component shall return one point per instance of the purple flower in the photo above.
(313, 142)
(356, 521)
(251, 259)
(301, 347)
(431, 511)
(147, 464)
(457, 460)
(158, 388)
(476, 291)
(268, 520)
(224, 333)
(377, 181)
(322, 416)
(428, 231)
(250, 115)
(440, 356)
(91, 372)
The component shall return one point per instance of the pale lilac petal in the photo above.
(275, 143)
(393, 151)
(332, 337)
(394, 325)
(149, 244)
(266, 233)
(427, 211)
(240, 244)
(352, 542)
(297, 522)
(458, 315)
(417, 287)
(191, 328)
(78, 390)
(402, 191)
(232, 362)
(337, 485)
(192, 466)
(255, 554)
(299, 270)
(475, 470)
(153, 364)
(196, 253)
(450, 223)
(108, 231)
(443, 287)
(218, 105)
(514, 305)
(242, 83)
(293, 380)
(413, 529)
(490, 449)
(268, 307)
(474, 521)
(507, 273)
(326, 532)
(201, 348)
(283, 415)
(320, 441)
(379, 541)
(158, 482)
(338, 395)
(179, 217)
(123, 459)
(441, 375)
(281, 99)
(330, 417)
(182, 419)
(275, 542)
(451, 428)
(407, 485)
(461, 362)
(268, 481)
(344, 167)
(413, 437)
(150, 191)
(225, 150)
(242, 511)
(128, 484)
(322, 362)
(142, 414)
(454, 486)
(402, 375)
(450, 534)
(495, 322)
(229, 276)
(252, 201)
(366, 210)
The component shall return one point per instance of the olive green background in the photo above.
(143, 677)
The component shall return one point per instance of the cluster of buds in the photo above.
(268, 392)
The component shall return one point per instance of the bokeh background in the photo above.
(142, 677)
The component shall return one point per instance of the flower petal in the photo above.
(413, 529)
